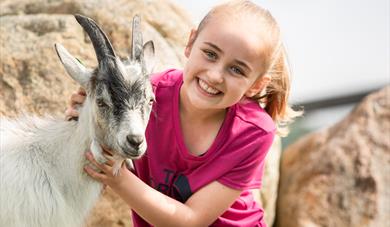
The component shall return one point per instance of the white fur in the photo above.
(42, 182)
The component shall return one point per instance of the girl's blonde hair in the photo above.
(274, 98)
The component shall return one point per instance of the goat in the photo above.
(42, 182)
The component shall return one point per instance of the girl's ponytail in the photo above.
(275, 97)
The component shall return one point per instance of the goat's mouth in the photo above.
(131, 152)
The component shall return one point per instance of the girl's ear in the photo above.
(190, 42)
(258, 85)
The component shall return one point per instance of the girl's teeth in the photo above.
(208, 89)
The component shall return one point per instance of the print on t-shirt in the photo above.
(175, 185)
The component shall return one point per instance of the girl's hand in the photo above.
(104, 173)
(77, 99)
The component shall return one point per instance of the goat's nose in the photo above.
(135, 140)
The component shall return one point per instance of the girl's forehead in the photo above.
(230, 33)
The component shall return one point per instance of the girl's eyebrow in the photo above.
(241, 63)
(214, 46)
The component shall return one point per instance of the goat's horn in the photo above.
(101, 44)
(136, 39)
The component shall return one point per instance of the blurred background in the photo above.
(339, 51)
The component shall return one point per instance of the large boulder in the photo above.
(31, 77)
(340, 176)
(267, 195)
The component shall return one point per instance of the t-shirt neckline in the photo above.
(221, 136)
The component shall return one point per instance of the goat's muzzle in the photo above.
(135, 146)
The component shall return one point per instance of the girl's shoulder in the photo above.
(250, 114)
(166, 78)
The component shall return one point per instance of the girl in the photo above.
(212, 126)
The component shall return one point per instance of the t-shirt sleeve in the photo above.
(248, 171)
(156, 78)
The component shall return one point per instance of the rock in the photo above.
(31, 76)
(340, 176)
(268, 194)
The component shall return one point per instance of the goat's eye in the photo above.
(101, 104)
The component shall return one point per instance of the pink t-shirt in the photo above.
(235, 159)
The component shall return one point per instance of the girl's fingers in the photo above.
(95, 175)
(76, 99)
(108, 155)
(106, 150)
(71, 113)
(109, 161)
(82, 91)
(103, 167)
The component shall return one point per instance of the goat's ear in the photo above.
(73, 67)
(149, 58)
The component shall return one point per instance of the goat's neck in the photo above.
(86, 129)
(85, 126)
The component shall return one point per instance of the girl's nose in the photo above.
(215, 76)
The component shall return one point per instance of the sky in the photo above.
(335, 47)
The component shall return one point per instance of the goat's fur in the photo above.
(42, 182)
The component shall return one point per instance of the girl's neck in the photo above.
(199, 127)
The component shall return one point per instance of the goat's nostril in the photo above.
(135, 140)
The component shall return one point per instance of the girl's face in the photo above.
(224, 63)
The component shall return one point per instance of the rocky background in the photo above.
(340, 176)
(336, 177)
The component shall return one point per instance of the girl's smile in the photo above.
(207, 89)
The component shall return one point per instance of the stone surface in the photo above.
(340, 176)
(32, 79)
(267, 195)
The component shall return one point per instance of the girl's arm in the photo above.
(201, 209)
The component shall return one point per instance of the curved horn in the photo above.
(101, 44)
(136, 39)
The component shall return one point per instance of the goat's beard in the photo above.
(97, 152)
(118, 162)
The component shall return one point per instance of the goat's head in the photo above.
(119, 93)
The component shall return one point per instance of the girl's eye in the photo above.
(210, 54)
(237, 70)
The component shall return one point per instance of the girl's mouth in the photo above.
(207, 89)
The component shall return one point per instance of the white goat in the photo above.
(42, 182)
